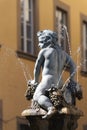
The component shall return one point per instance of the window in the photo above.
(61, 14)
(27, 32)
(84, 46)
(83, 19)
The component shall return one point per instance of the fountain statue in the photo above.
(53, 100)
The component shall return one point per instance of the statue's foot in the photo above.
(51, 112)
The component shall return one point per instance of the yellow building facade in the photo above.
(19, 22)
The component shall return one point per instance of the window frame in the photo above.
(25, 23)
(83, 19)
(65, 8)
(19, 52)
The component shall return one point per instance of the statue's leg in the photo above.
(46, 104)
(42, 100)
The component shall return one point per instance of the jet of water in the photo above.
(78, 50)
(8, 51)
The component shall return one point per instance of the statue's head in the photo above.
(46, 38)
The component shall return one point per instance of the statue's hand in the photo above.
(31, 89)
(32, 83)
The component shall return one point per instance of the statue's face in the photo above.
(44, 38)
(43, 41)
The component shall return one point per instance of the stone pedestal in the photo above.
(61, 121)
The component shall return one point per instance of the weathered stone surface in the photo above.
(40, 112)
(65, 120)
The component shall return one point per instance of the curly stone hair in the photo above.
(49, 36)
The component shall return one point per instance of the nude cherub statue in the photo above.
(51, 59)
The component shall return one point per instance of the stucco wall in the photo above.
(46, 20)
(8, 22)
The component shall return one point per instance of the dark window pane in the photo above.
(30, 17)
(29, 49)
(28, 31)
(22, 18)
(22, 44)
(29, 2)
(22, 29)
